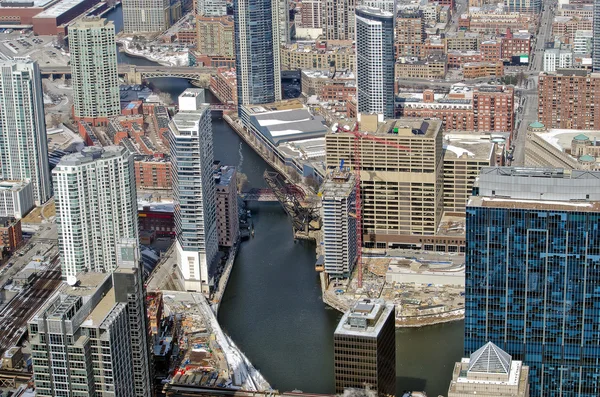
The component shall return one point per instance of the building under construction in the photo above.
(338, 198)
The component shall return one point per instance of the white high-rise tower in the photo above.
(23, 142)
(194, 190)
(96, 207)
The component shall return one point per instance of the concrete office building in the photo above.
(596, 42)
(146, 16)
(228, 224)
(338, 19)
(364, 346)
(489, 371)
(94, 74)
(338, 199)
(23, 142)
(402, 187)
(211, 8)
(258, 65)
(383, 5)
(95, 207)
(16, 198)
(194, 190)
(532, 266)
(375, 61)
(88, 338)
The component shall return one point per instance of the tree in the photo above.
(242, 182)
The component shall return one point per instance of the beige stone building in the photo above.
(215, 35)
(464, 156)
(489, 372)
(432, 67)
(568, 149)
(320, 55)
(402, 181)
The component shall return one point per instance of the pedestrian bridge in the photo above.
(135, 74)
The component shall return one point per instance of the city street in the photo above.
(528, 109)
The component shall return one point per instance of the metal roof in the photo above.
(490, 359)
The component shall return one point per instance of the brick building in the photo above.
(568, 99)
(410, 34)
(482, 108)
(224, 85)
(11, 234)
(152, 172)
(478, 70)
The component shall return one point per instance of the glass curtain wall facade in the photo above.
(257, 58)
(533, 288)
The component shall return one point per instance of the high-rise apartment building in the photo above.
(95, 207)
(338, 19)
(375, 61)
(489, 371)
(257, 59)
(94, 73)
(527, 6)
(284, 21)
(338, 199)
(191, 145)
(401, 183)
(568, 99)
(364, 346)
(129, 288)
(228, 224)
(146, 16)
(211, 8)
(596, 42)
(532, 271)
(84, 341)
(23, 142)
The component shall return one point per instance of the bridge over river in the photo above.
(135, 74)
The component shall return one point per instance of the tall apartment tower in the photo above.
(191, 146)
(94, 73)
(338, 198)
(284, 21)
(401, 184)
(96, 206)
(211, 8)
(82, 342)
(532, 271)
(228, 224)
(375, 61)
(23, 142)
(596, 39)
(312, 15)
(364, 346)
(257, 59)
(146, 16)
(129, 288)
(338, 19)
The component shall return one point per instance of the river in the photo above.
(272, 307)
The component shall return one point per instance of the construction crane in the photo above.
(358, 136)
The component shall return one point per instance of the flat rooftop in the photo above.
(562, 138)
(102, 309)
(87, 283)
(188, 120)
(26, 3)
(498, 202)
(14, 186)
(476, 147)
(373, 312)
(90, 154)
(410, 127)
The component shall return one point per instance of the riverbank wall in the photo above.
(218, 295)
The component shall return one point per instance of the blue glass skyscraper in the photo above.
(257, 58)
(533, 274)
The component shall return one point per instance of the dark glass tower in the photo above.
(365, 348)
(257, 51)
(533, 274)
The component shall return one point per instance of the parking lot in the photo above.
(46, 50)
